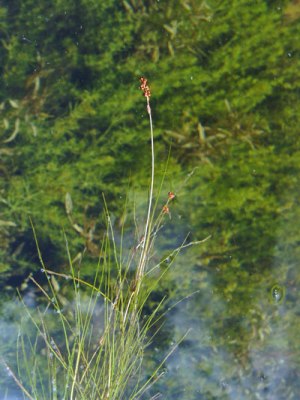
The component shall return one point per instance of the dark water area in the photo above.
(225, 99)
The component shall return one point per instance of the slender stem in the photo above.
(142, 262)
(17, 381)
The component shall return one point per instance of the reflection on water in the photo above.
(243, 340)
(16, 322)
(235, 349)
(251, 355)
(11, 313)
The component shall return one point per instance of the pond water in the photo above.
(224, 101)
(239, 342)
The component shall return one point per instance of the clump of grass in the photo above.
(95, 349)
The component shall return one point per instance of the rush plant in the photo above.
(91, 345)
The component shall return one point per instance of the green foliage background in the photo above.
(225, 82)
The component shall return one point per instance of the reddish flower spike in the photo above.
(144, 87)
(171, 195)
(166, 210)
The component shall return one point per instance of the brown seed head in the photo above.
(144, 87)
(171, 195)
(166, 210)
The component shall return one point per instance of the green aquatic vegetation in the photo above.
(231, 80)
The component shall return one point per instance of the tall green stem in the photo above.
(145, 247)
